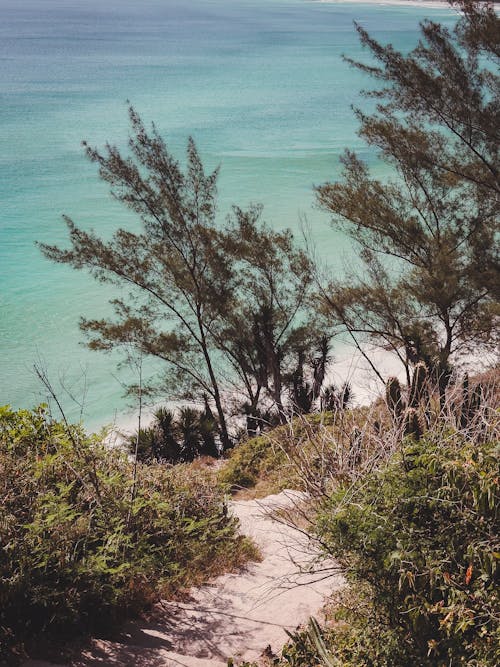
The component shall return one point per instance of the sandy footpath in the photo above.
(238, 615)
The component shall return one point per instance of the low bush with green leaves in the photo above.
(255, 460)
(82, 545)
(420, 538)
(281, 458)
(307, 453)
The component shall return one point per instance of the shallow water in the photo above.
(261, 86)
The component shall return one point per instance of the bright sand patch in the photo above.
(434, 4)
(238, 615)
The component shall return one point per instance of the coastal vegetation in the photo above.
(403, 492)
(408, 503)
(87, 543)
(238, 312)
(427, 284)
(174, 438)
(418, 538)
(228, 308)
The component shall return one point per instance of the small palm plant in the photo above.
(166, 445)
(178, 438)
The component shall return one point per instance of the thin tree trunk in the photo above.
(444, 369)
(277, 392)
(224, 435)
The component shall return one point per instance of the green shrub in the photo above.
(247, 460)
(76, 555)
(420, 539)
(273, 461)
(307, 454)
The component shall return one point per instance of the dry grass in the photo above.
(314, 453)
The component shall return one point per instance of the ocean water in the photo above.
(260, 85)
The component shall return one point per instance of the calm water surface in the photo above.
(261, 86)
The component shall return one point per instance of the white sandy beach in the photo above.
(431, 4)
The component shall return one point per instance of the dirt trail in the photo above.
(237, 615)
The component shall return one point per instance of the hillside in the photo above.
(406, 507)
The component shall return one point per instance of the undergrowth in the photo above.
(421, 537)
(258, 461)
(414, 523)
(79, 553)
(301, 454)
(418, 540)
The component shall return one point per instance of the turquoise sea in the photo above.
(261, 86)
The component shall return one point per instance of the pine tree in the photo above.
(428, 288)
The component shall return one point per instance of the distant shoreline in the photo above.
(428, 4)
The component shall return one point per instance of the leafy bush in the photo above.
(268, 462)
(76, 553)
(420, 538)
(253, 460)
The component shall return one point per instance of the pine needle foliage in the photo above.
(427, 288)
(223, 305)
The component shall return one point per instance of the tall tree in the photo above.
(180, 278)
(224, 305)
(272, 318)
(428, 237)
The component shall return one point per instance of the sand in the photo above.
(239, 614)
(429, 4)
